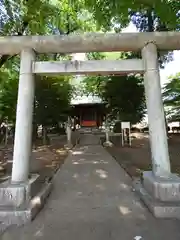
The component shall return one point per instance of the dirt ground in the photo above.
(137, 158)
(46, 159)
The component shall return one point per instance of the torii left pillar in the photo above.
(22, 197)
(24, 114)
(22, 188)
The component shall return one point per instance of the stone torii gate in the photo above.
(159, 188)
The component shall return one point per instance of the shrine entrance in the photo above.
(160, 184)
(89, 115)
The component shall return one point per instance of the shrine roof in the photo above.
(86, 100)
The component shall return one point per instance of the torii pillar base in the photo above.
(68, 146)
(108, 144)
(160, 195)
(20, 202)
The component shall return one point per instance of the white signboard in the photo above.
(125, 125)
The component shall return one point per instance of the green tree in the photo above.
(52, 95)
(52, 103)
(117, 14)
(52, 100)
(123, 95)
(40, 17)
(30, 18)
(24, 18)
(171, 96)
(8, 92)
(148, 16)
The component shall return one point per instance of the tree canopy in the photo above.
(171, 95)
(52, 97)
(147, 16)
(53, 94)
(123, 95)
(52, 100)
(38, 17)
(118, 13)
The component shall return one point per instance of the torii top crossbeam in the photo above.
(90, 42)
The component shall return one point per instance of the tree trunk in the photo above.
(166, 123)
(44, 135)
(150, 20)
(127, 136)
(35, 134)
(6, 136)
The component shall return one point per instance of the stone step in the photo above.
(10, 215)
(16, 194)
(158, 208)
(162, 189)
(3, 227)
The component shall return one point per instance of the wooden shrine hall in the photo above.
(88, 112)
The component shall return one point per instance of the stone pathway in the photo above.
(92, 199)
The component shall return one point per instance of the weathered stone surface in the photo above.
(108, 144)
(163, 189)
(12, 195)
(68, 146)
(39, 200)
(23, 131)
(3, 227)
(90, 42)
(17, 194)
(155, 109)
(158, 208)
(13, 216)
(25, 213)
(90, 67)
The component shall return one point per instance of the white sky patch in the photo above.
(79, 56)
(171, 68)
(131, 28)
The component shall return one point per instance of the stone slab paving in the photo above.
(93, 200)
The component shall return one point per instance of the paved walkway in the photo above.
(92, 200)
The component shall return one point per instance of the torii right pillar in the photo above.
(159, 189)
